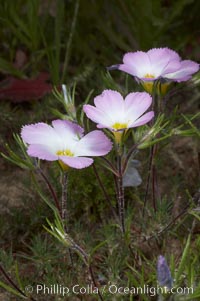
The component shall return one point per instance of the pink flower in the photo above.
(157, 63)
(115, 113)
(64, 141)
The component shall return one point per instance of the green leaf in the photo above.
(23, 160)
(97, 248)
(12, 290)
(18, 277)
(43, 197)
(80, 107)
(192, 125)
(183, 262)
(195, 215)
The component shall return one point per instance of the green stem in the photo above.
(94, 281)
(152, 167)
(132, 151)
(151, 173)
(106, 196)
(64, 206)
(120, 190)
(111, 166)
(64, 209)
(154, 186)
(86, 260)
(50, 189)
(13, 284)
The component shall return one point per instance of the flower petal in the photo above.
(111, 103)
(163, 60)
(96, 115)
(42, 152)
(95, 143)
(185, 72)
(128, 69)
(156, 54)
(38, 133)
(142, 120)
(68, 132)
(157, 63)
(41, 133)
(136, 104)
(109, 109)
(76, 162)
(113, 67)
(65, 127)
(138, 62)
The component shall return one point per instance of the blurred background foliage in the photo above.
(74, 40)
(56, 41)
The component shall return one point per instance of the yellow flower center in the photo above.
(149, 75)
(161, 89)
(119, 126)
(118, 134)
(148, 86)
(66, 152)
